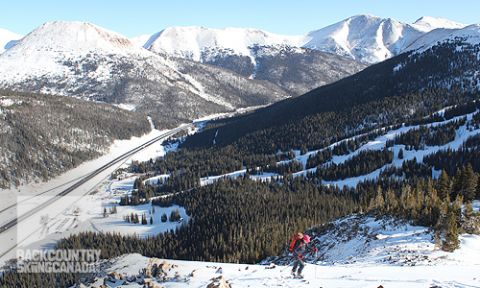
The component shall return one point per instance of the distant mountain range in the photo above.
(363, 38)
(183, 73)
(86, 61)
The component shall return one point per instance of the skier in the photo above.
(298, 246)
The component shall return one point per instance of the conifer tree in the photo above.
(400, 154)
(443, 186)
(451, 234)
(458, 183)
(469, 184)
(391, 201)
(468, 211)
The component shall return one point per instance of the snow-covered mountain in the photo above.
(7, 39)
(255, 54)
(364, 38)
(195, 42)
(372, 39)
(83, 60)
(469, 34)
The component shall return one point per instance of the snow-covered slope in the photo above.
(427, 23)
(385, 241)
(372, 39)
(7, 39)
(469, 34)
(127, 272)
(355, 251)
(140, 40)
(193, 42)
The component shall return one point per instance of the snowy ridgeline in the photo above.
(362, 37)
(355, 251)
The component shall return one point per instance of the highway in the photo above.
(81, 181)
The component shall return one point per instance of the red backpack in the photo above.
(296, 237)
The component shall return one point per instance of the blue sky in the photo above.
(136, 17)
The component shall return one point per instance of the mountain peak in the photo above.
(371, 39)
(364, 16)
(75, 36)
(428, 23)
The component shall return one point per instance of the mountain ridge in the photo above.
(197, 39)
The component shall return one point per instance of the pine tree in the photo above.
(457, 208)
(400, 154)
(470, 183)
(391, 201)
(105, 214)
(468, 211)
(164, 217)
(379, 200)
(151, 220)
(174, 216)
(451, 236)
(444, 186)
(458, 184)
